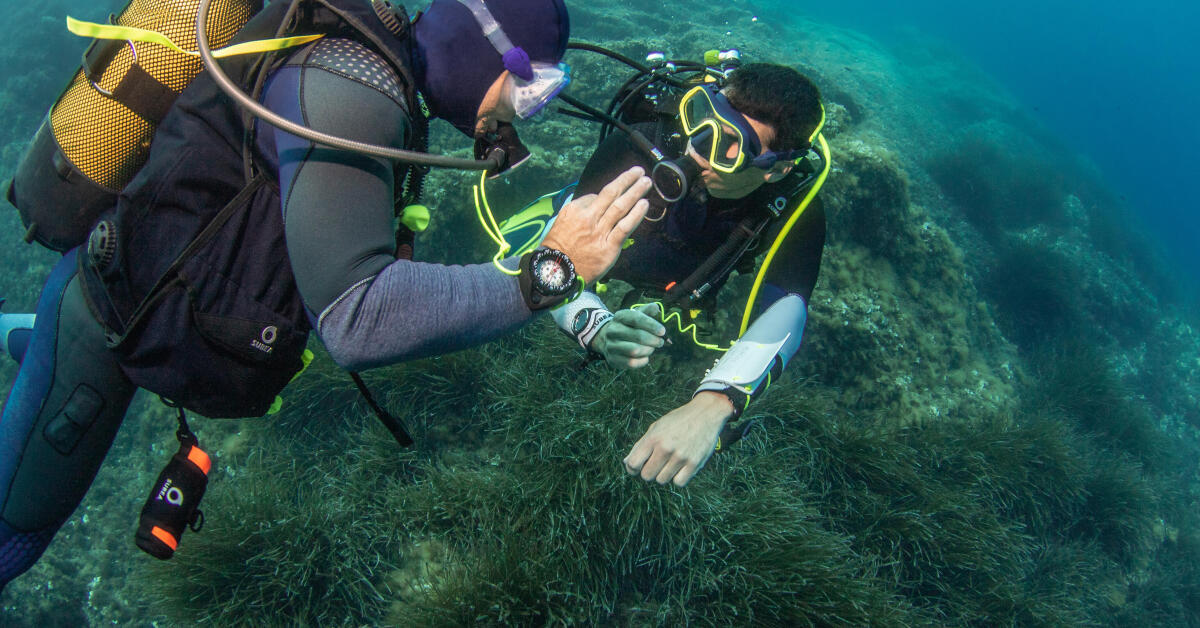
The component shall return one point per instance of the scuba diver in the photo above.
(737, 159)
(202, 278)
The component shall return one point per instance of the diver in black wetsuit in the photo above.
(782, 108)
(313, 246)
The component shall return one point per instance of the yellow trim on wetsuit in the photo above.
(762, 271)
(537, 213)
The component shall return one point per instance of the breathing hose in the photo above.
(232, 90)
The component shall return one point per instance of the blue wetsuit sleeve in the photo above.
(371, 308)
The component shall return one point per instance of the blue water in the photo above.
(1115, 81)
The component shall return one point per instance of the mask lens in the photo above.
(702, 142)
(729, 146)
(696, 110)
(714, 136)
(530, 97)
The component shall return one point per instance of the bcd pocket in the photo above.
(223, 358)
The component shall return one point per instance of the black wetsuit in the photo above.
(675, 241)
(670, 249)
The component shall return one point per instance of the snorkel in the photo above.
(531, 85)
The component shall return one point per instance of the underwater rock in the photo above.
(867, 198)
(898, 336)
(1000, 182)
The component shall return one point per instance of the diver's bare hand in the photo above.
(591, 229)
(677, 446)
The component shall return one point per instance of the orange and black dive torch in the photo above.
(174, 502)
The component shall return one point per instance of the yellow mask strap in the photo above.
(129, 33)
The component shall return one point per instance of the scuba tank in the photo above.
(97, 134)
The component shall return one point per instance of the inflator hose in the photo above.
(232, 90)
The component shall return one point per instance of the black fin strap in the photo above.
(393, 424)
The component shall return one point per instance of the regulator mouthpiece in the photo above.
(673, 178)
(504, 145)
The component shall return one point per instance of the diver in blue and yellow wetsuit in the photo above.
(202, 283)
(754, 177)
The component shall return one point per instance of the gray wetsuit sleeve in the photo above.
(371, 308)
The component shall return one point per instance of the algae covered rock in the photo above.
(867, 197)
(896, 319)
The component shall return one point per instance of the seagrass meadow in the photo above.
(992, 421)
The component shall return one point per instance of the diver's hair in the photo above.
(779, 96)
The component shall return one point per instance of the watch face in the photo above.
(553, 273)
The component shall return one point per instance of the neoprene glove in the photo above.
(628, 339)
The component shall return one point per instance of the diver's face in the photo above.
(496, 106)
(746, 180)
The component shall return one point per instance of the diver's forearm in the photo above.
(413, 310)
(760, 355)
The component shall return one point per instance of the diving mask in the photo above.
(722, 135)
(529, 97)
(534, 84)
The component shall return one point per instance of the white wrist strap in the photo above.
(582, 318)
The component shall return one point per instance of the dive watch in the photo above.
(547, 278)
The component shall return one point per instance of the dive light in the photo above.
(174, 502)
